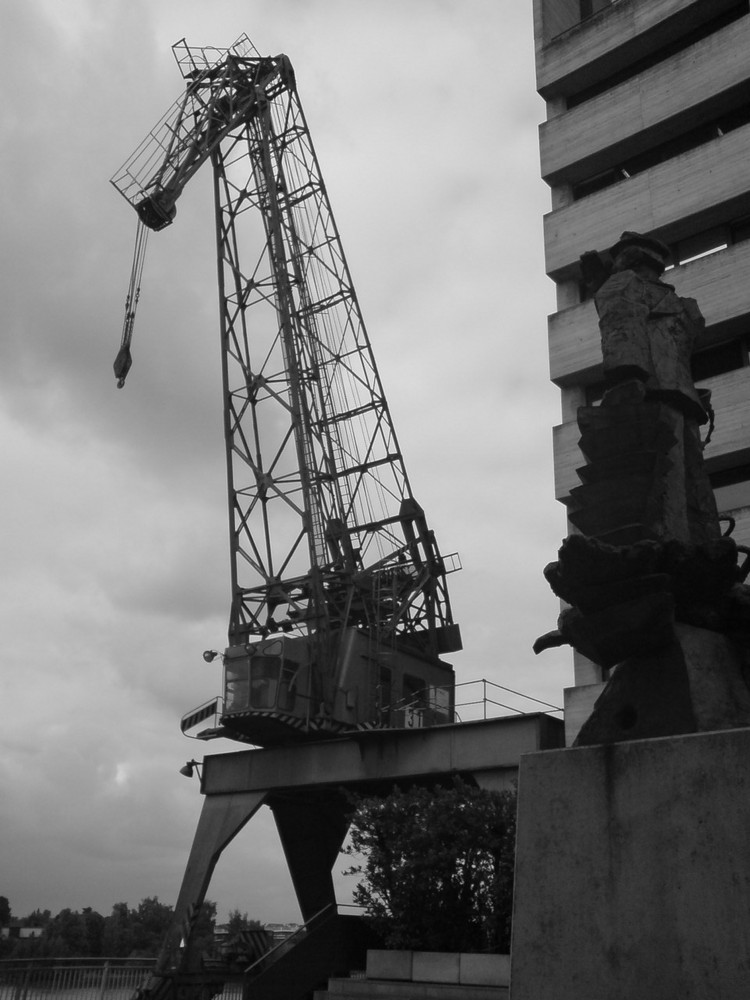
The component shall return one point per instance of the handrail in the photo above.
(413, 699)
(287, 943)
(79, 978)
(267, 959)
(501, 687)
(85, 961)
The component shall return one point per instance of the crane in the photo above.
(340, 614)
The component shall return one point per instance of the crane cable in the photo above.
(123, 361)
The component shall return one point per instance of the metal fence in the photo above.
(83, 979)
(73, 979)
(480, 699)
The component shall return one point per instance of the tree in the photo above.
(238, 922)
(93, 926)
(124, 933)
(235, 947)
(118, 936)
(436, 867)
(37, 918)
(203, 933)
(150, 924)
(65, 936)
(5, 914)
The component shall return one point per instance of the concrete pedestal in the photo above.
(633, 871)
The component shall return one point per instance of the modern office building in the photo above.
(648, 129)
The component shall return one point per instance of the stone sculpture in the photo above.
(648, 335)
(654, 589)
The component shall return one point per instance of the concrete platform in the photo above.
(489, 750)
(633, 871)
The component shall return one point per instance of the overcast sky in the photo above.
(114, 541)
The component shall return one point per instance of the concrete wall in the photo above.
(701, 188)
(648, 109)
(633, 871)
(619, 36)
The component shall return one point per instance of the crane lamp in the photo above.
(190, 768)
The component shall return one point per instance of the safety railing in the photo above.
(473, 700)
(72, 979)
(480, 699)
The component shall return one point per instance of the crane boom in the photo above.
(333, 567)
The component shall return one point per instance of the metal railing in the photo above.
(479, 700)
(73, 979)
(85, 979)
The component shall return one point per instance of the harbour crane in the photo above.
(340, 613)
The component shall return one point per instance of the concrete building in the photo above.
(648, 129)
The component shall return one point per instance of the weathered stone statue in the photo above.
(648, 335)
(654, 589)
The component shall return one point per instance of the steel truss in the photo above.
(325, 532)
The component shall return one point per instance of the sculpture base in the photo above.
(633, 871)
(696, 684)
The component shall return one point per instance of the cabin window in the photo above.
(385, 694)
(261, 682)
(264, 681)
(288, 685)
(415, 701)
(236, 684)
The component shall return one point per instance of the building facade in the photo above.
(648, 129)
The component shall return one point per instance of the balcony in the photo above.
(705, 187)
(612, 40)
(685, 91)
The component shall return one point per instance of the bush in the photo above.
(436, 867)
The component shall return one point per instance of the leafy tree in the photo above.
(93, 926)
(6, 944)
(37, 918)
(27, 947)
(118, 935)
(203, 934)
(73, 934)
(436, 867)
(150, 924)
(65, 935)
(239, 922)
(124, 933)
(234, 947)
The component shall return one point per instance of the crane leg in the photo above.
(312, 828)
(221, 819)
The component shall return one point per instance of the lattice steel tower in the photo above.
(339, 609)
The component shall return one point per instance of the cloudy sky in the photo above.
(114, 543)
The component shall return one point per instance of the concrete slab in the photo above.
(633, 871)
(491, 746)
(435, 967)
(383, 964)
(484, 970)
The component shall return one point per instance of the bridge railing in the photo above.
(85, 979)
(73, 979)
